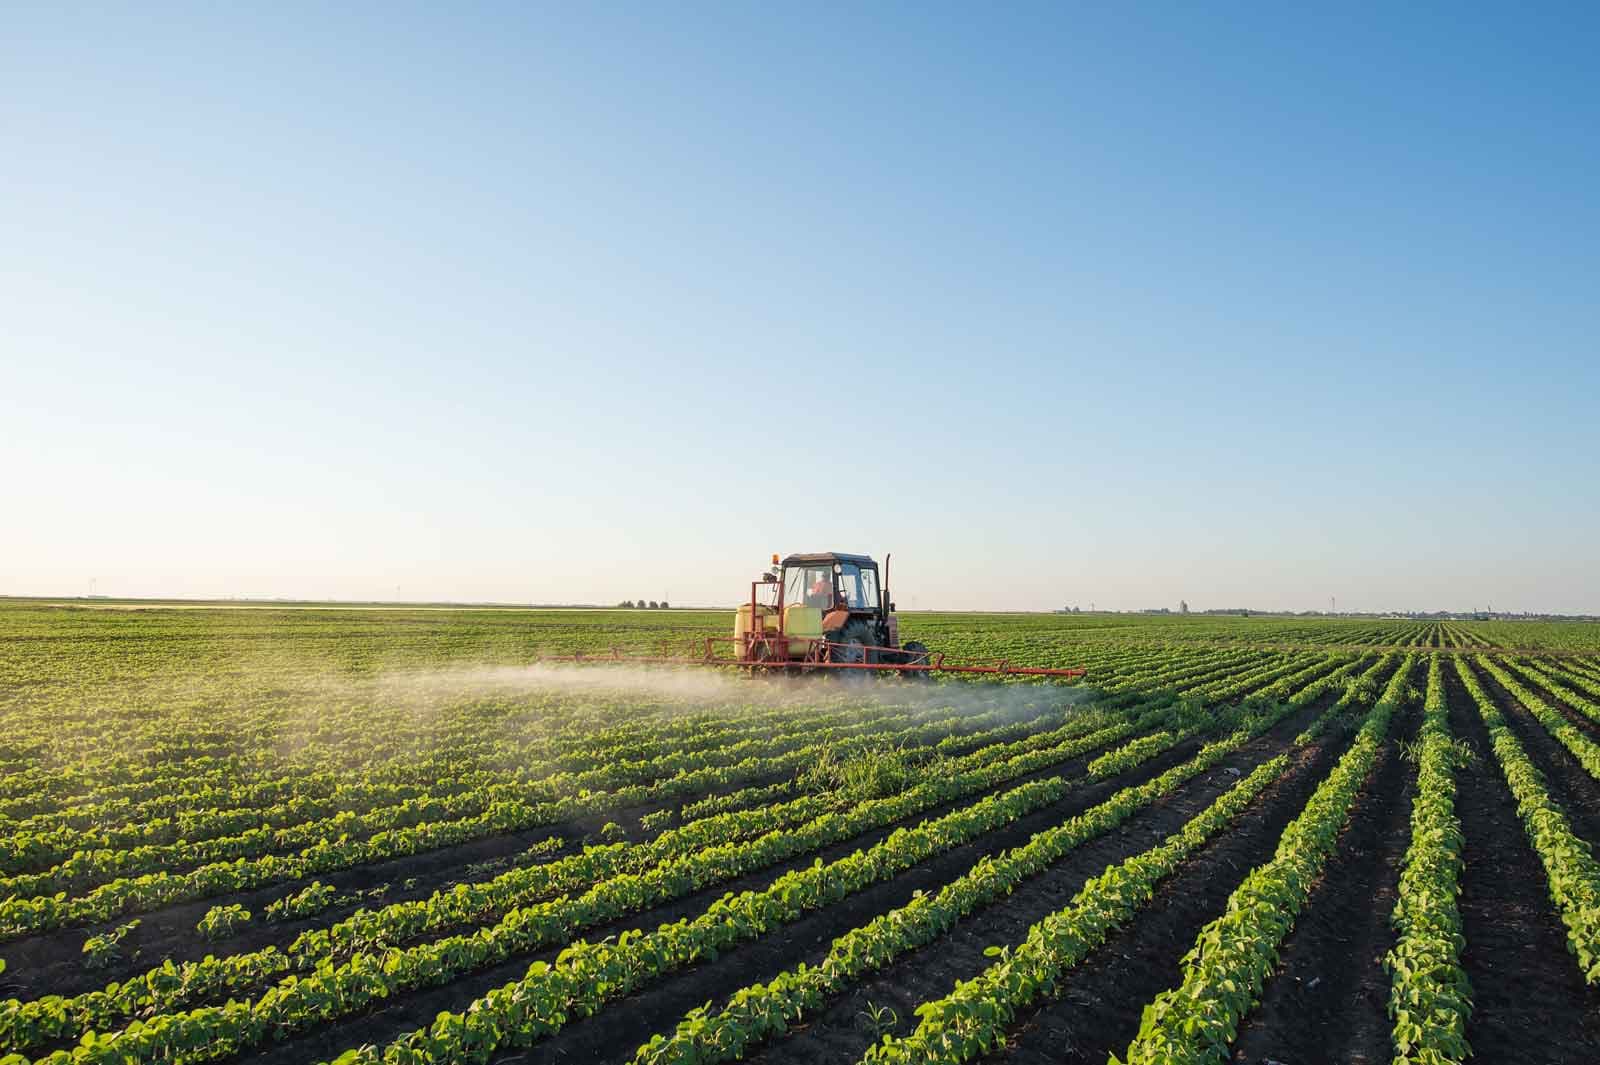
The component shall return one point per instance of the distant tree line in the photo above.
(629, 604)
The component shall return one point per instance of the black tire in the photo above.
(850, 646)
(914, 653)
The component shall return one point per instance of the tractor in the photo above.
(823, 608)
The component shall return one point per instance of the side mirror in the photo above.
(891, 606)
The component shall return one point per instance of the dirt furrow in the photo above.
(1097, 1007)
(1570, 784)
(1530, 1003)
(842, 1032)
(1328, 1000)
(1540, 687)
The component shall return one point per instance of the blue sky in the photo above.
(1060, 304)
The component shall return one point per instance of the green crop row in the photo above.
(146, 892)
(1562, 684)
(299, 1003)
(1585, 750)
(1233, 956)
(973, 1018)
(181, 798)
(171, 986)
(761, 1011)
(534, 783)
(329, 991)
(1571, 872)
(587, 975)
(237, 806)
(1429, 995)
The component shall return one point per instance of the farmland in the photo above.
(380, 836)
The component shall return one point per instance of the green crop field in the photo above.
(294, 835)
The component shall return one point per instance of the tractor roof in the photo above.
(829, 558)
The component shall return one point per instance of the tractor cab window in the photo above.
(809, 586)
(860, 587)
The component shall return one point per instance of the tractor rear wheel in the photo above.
(851, 643)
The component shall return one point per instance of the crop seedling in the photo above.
(308, 901)
(878, 1021)
(105, 949)
(222, 921)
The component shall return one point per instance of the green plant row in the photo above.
(1192, 670)
(1565, 685)
(301, 824)
(19, 916)
(1585, 750)
(174, 794)
(170, 986)
(1312, 682)
(238, 804)
(1233, 956)
(588, 975)
(974, 1017)
(1131, 754)
(1344, 680)
(467, 904)
(765, 794)
(235, 806)
(1429, 995)
(1359, 691)
(762, 1011)
(1294, 670)
(1190, 718)
(150, 777)
(1585, 674)
(1571, 872)
(233, 802)
(728, 801)
(91, 866)
(299, 1002)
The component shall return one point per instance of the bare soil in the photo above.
(840, 1032)
(1328, 1000)
(1530, 1003)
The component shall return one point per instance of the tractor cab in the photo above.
(841, 587)
(836, 597)
(825, 606)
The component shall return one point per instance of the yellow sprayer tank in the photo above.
(741, 620)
